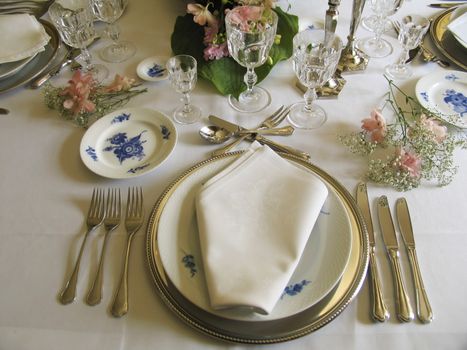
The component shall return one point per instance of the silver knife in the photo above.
(446, 5)
(404, 311)
(261, 139)
(424, 311)
(238, 130)
(379, 310)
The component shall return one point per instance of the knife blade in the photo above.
(424, 311)
(261, 139)
(379, 310)
(446, 5)
(404, 310)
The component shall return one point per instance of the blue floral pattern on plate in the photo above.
(189, 262)
(165, 132)
(424, 95)
(92, 153)
(156, 70)
(121, 118)
(456, 100)
(126, 148)
(295, 289)
(451, 77)
(138, 168)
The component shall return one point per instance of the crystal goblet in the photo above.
(109, 11)
(74, 21)
(370, 22)
(314, 62)
(250, 35)
(182, 75)
(411, 32)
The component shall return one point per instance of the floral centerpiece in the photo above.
(201, 34)
(415, 147)
(84, 100)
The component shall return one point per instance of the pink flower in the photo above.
(408, 161)
(439, 131)
(375, 125)
(201, 14)
(243, 16)
(120, 83)
(216, 51)
(210, 34)
(77, 93)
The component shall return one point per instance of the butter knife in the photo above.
(261, 139)
(446, 5)
(424, 311)
(379, 310)
(404, 311)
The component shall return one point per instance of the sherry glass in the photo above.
(109, 11)
(182, 75)
(411, 32)
(250, 35)
(74, 21)
(314, 62)
(369, 23)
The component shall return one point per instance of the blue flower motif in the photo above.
(189, 262)
(424, 95)
(295, 289)
(137, 168)
(456, 100)
(451, 77)
(92, 153)
(165, 132)
(126, 148)
(156, 70)
(121, 118)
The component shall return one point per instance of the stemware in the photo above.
(411, 32)
(74, 21)
(250, 35)
(182, 75)
(109, 11)
(376, 46)
(314, 62)
(369, 22)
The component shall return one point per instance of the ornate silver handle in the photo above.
(424, 311)
(379, 310)
(120, 303)
(404, 311)
(229, 146)
(282, 148)
(282, 131)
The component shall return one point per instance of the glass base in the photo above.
(303, 119)
(255, 101)
(190, 117)
(375, 48)
(397, 71)
(118, 52)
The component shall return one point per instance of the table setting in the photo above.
(233, 174)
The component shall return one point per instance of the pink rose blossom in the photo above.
(210, 33)
(375, 125)
(439, 131)
(120, 83)
(201, 14)
(216, 51)
(409, 161)
(242, 16)
(77, 93)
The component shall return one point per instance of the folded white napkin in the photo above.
(21, 36)
(458, 25)
(254, 219)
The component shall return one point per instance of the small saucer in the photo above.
(152, 69)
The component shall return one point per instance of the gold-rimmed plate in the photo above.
(260, 331)
(445, 41)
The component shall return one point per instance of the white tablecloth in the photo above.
(45, 191)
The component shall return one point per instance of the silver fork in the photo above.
(113, 213)
(94, 219)
(133, 221)
(270, 122)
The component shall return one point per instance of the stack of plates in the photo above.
(327, 278)
(27, 52)
(34, 7)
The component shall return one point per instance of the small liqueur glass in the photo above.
(109, 11)
(314, 62)
(74, 21)
(182, 75)
(251, 31)
(411, 32)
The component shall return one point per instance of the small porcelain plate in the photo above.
(152, 69)
(445, 93)
(127, 143)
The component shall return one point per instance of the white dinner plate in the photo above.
(319, 270)
(445, 93)
(127, 143)
(152, 69)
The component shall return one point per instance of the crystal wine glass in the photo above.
(376, 46)
(369, 22)
(314, 63)
(411, 32)
(74, 21)
(182, 75)
(109, 11)
(250, 35)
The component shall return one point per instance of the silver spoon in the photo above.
(216, 134)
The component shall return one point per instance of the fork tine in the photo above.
(140, 203)
(281, 116)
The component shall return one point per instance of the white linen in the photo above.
(458, 25)
(254, 219)
(21, 36)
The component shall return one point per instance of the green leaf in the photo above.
(226, 74)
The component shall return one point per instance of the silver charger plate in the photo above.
(37, 65)
(261, 331)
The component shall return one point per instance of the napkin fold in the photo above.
(254, 220)
(21, 36)
(458, 25)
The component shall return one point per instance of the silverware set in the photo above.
(379, 309)
(107, 210)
